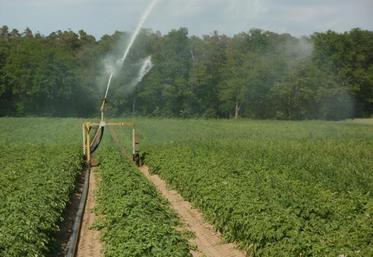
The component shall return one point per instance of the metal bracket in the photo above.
(87, 141)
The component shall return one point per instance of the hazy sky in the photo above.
(98, 17)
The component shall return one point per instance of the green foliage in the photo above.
(276, 188)
(350, 56)
(40, 161)
(255, 74)
(135, 221)
(309, 92)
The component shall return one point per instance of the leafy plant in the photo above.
(135, 221)
(275, 188)
(37, 177)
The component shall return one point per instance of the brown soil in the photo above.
(89, 242)
(209, 243)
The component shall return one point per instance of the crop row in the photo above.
(276, 188)
(267, 210)
(135, 220)
(36, 182)
(40, 159)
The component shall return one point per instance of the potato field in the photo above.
(276, 188)
(273, 188)
(39, 160)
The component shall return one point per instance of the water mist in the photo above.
(120, 62)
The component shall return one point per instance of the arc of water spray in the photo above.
(146, 67)
(132, 41)
(139, 26)
(108, 84)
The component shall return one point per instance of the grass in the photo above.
(277, 188)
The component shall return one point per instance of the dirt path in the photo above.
(89, 243)
(207, 240)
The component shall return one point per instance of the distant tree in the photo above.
(172, 64)
(14, 34)
(27, 33)
(85, 38)
(208, 59)
(256, 74)
(4, 32)
(295, 96)
(310, 92)
(350, 55)
(254, 64)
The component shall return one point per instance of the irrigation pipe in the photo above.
(72, 245)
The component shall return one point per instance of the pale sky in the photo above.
(98, 17)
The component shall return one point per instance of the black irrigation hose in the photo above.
(72, 245)
(97, 139)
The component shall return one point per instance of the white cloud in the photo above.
(200, 16)
(310, 14)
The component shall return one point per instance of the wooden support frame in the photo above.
(88, 126)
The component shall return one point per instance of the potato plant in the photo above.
(40, 159)
(35, 182)
(275, 188)
(136, 221)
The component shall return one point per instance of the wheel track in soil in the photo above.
(90, 244)
(209, 242)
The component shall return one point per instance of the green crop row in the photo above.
(135, 221)
(266, 210)
(39, 159)
(35, 182)
(275, 188)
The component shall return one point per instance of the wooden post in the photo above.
(86, 127)
(88, 144)
(133, 142)
(83, 130)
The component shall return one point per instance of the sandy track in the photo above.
(207, 240)
(209, 243)
(89, 242)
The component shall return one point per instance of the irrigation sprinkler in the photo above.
(92, 137)
(93, 132)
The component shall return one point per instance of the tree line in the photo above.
(256, 74)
